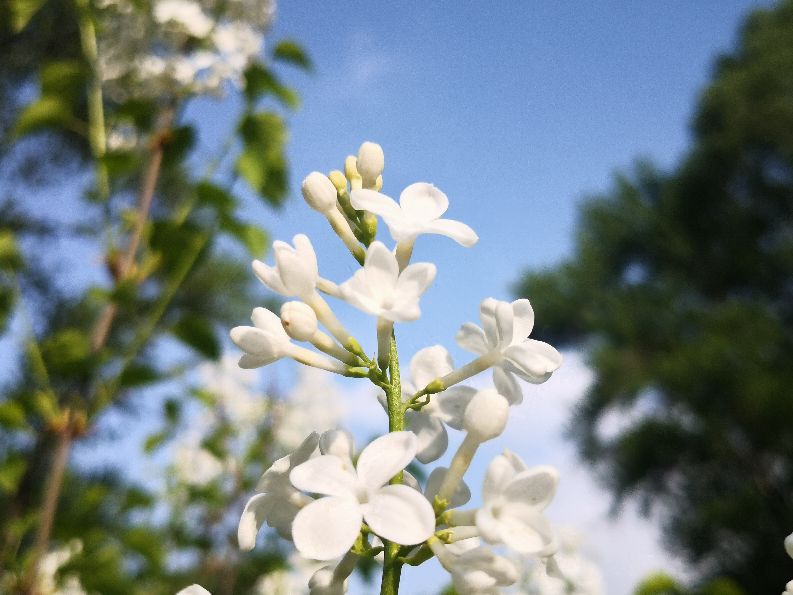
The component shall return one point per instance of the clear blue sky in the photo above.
(516, 110)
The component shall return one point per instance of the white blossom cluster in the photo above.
(337, 503)
(172, 48)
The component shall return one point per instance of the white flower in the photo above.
(425, 366)
(461, 495)
(514, 498)
(481, 572)
(299, 321)
(486, 415)
(328, 527)
(194, 590)
(186, 14)
(195, 465)
(314, 403)
(370, 163)
(418, 212)
(323, 583)
(267, 342)
(278, 502)
(567, 572)
(319, 192)
(232, 387)
(788, 588)
(381, 290)
(506, 328)
(789, 545)
(295, 272)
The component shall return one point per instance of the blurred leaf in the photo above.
(12, 414)
(254, 238)
(64, 79)
(138, 374)
(172, 409)
(214, 196)
(198, 334)
(291, 52)
(22, 11)
(262, 162)
(260, 81)
(154, 441)
(68, 352)
(46, 112)
(10, 257)
(178, 144)
(11, 472)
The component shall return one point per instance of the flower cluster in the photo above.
(178, 47)
(338, 505)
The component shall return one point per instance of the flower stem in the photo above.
(392, 567)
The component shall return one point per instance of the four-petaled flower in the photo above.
(380, 289)
(328, 527)
(277, 502)
(295, 273)
(418, 212)
(514, 498)
(505, 339)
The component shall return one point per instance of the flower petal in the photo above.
(400, 514)
(381, 270)
(337, 442)
(432, 437)
(252, 519)
(325, 474)
(413, 282)
(456, 230)
(461, 495)
(327, 528)
(305, 251)
(255, 341)
(251, 362)
(488, 525)
(269, 322)
(386, 456)
(534, 361)
(423, 202)
(194, 590)
(428, 364)
(523, 316)
(507, 385)
(497, 322)
(450, 405)
(269, 276)
(297, 269)
(533, 487)
(375, 202)
(472, 338)
(527, 531)
(500, 472)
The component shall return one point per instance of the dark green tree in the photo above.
(680, 292)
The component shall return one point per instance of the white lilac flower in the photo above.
(418, 212)
(232, 386)
(370, 163)
(195, 465)
(327, 528)
(185, 14)
(425, 366)
(461, 496)
(295, 273)
(789, 545)
(194, 590)
(505, 344)
(514, 499)
(479, 571)
(567, 572)
(380, 289)
(267, 342)
(277, 502)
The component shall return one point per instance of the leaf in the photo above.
(262, 162)
(291, 52)
(260, 81)
(22, 11)
(68, 352)
(154, 441)
(197, 333)
(214, 196)
(138, 375)
(45, 112)
(11, 472)
(10, 257)
(12, 415)
(254, 238)
(178, 144)
(64, 79)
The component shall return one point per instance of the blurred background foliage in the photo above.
(111, 129)
(680, 292)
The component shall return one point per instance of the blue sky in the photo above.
(517, 110)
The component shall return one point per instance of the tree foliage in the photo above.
(680, 290)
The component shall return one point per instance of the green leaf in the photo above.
(179, 143)
(46, 112)
(214, 196)
(64, 79)
(138, 375)
(22, 11)
(154, 441)
(10, 257)
(68, 352)
(254, 238)
(198, 334)
(259, 81)
(291, 52)
(12, 415)
(11, 472)
(262, 162)
(172, 409)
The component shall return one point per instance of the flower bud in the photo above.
(371, 162)
(351, 171)
(319, 192)
(338, 180)
(789, 545)
(486, 415)
(337, 442)
(299, 321)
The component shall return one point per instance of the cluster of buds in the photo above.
(337, 506)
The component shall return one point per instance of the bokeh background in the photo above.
(627, 166)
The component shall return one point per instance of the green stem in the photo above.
(392, 567)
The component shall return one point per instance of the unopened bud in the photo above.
(337, 442)
(319, 192)
(486, 415)
(299, 321)
(789, 545)
(378, 183)
(370, 164)
(351, 171)
(338, 180)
